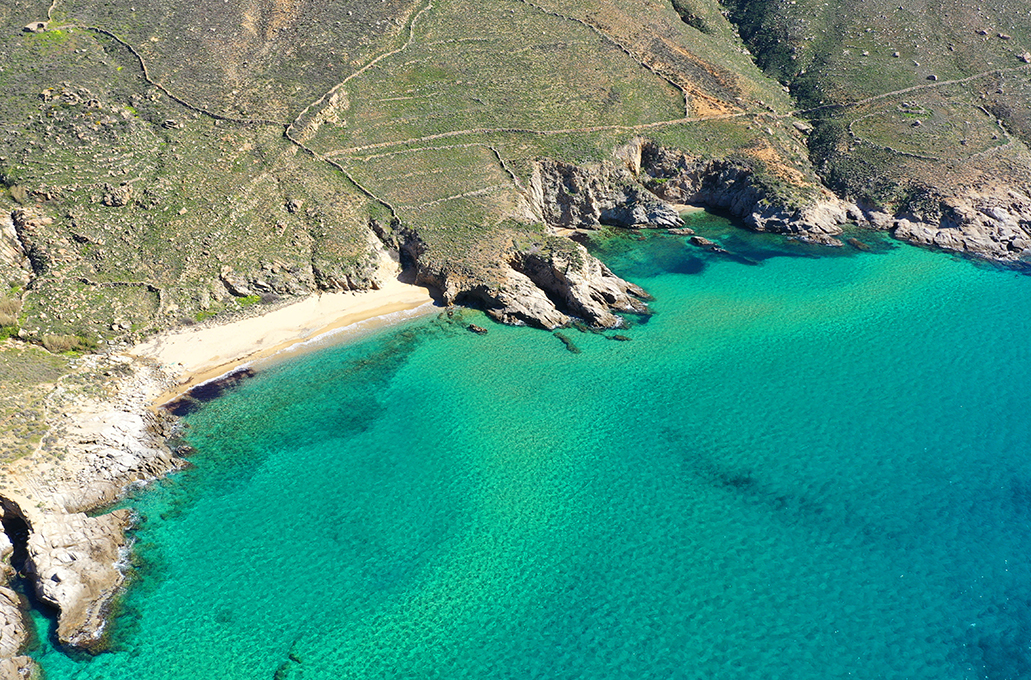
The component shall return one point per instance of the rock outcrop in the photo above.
(14, 623)
(30, 230)
(642, 187)
(543, 284)
(14, 630)
(19, 668)
(582, 285)
(106, 442)
(577, 197)
(995, 225)
(74, 561)
(733, 186)
(640, 191)
(12, 255)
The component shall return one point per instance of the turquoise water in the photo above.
(799, 467)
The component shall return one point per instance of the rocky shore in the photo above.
(639, 188)
(102, 437)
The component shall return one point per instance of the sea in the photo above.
(806, 463)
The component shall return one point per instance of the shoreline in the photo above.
(109, 432)
(193, 356)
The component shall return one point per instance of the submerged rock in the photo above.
(567, 342)
(479, 330)
(703, 242)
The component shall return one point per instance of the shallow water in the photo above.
(805, 464)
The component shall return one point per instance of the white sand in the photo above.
(194, 355)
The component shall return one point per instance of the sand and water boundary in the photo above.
(196, 355)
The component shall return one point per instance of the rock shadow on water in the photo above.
(201, 394)
(655, 255)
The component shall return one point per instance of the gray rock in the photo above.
(108, 442)
(74, 561)
(235, 283)
(11, 251)
(14, 627)
(570, 196)
(118, 197)
(20, 668)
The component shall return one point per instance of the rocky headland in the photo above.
(106, 437)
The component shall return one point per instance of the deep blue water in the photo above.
(806, 464)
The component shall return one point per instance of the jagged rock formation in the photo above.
(14, 623)
(106, 442)
(74, 561)
(991, 223)
(546, 290)
(994, 226)
(19, 668)
(13, 630)
(608, 193)
(29, 227)
(543, 284)
(728, 185)
(13, 260)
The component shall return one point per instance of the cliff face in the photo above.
(538, 280)
(640, 189)
(574, 197)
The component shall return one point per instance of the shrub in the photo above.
(57, 344)
(10, 307)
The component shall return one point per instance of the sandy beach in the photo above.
(195, 355)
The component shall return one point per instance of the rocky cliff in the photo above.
(102, 438)
(640, 186)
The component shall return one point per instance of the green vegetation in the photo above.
(28, 373)
(60, 344)
(143, 154)
(934, 136)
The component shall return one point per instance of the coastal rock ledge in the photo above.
(102, 438)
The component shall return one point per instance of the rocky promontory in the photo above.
(102, 437)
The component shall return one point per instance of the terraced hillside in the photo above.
(921, 110)
(165, 162)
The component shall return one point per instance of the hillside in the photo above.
(921, 110)
(163, 164)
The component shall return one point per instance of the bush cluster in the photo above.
(58, 344)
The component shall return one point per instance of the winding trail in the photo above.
(363, 69)
(290, 129)
(177, 99)
(906, 90)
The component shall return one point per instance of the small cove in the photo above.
(806, 464)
